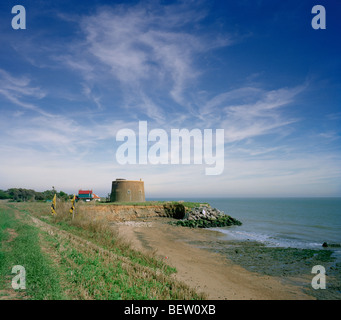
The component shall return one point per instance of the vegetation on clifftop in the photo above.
(23, 195)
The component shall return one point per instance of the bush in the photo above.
(4, 195)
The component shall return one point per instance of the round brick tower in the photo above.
(123, 190)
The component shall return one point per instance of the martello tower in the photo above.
(123, 190)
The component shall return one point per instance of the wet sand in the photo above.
(204, 261)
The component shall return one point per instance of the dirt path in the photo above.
(206, 271)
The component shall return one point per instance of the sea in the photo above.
(282, 222)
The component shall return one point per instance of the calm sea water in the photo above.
(283, 222)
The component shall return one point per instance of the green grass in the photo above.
(92, 264)
(107, 240)
(105, 281)
(42, 281)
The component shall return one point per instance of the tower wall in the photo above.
(127, 191)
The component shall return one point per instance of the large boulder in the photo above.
(206, 217)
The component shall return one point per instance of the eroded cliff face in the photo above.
(126, 212)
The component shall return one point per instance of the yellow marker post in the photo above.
(53, 206)
(73, 208)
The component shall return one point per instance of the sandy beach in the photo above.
(193, 252)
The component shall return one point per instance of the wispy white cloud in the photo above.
(330, 135)
(145, 48)
(60, 135)
(249, 112)
(334, 116)
(18, 90)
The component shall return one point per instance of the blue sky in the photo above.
(82, 70)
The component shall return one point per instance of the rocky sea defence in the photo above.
(206, 217)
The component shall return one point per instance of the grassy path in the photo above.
(20, 245)
(67, 259)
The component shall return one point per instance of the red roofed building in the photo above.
(87, 195)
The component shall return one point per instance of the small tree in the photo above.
(62, 195)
